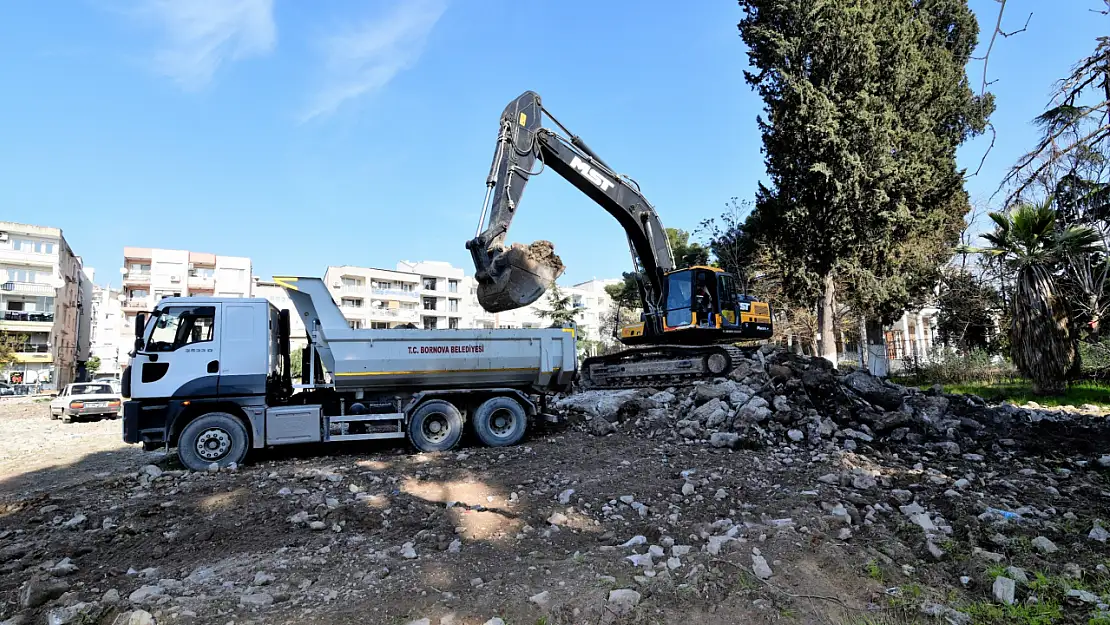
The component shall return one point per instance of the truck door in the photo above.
(245, 344)
(181, 357)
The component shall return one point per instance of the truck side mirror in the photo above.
(140, 325)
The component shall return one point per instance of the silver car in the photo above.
(86, 399)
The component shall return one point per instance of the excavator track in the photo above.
(659, 366)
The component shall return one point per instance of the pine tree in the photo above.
(865, 102)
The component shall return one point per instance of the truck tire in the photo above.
(435, 425)
(500, 421)
(215, 437)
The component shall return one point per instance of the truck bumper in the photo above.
(144, 423)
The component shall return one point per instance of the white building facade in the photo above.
(150, 274)
(40, 302)
(109, 343)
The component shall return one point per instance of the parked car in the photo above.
(86, 399)
(6, 390)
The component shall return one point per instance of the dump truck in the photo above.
(212, 377)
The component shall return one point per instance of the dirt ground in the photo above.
(563, 528)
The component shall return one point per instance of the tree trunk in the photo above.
(861, 346)
(1041, 343)
(825, 321)
(877, 362)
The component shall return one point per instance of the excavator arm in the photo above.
(514, 276)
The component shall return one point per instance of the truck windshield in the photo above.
(181, 325)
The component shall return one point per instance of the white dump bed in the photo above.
(400, 359)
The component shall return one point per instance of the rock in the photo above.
(720, 494)
(1003, 590)
(755, 411)
(781, 404)
(77, 521)
(256, 600)
(1104, 462)
(213, 467)
(262, 578)
(408, 552)
(703, 412)
(635, 540)
(829, 478)
(138, 617)
(542, 599)
(936, 552)
(494, 621)
(146, 594)
(1044, 545)
(640, 560)
(715, 543)
(317, 525)
(455, 546)
(421, 621)
(950, 448)
(557, 518)
(780, 372)
(475, 582)
(796, 435)
(1017, 574)
(1098, 533)
(112, 596)
(63, 568)
(950, 616)
(151, 471)
(662, 397)
(601, 427)
(927, 410)
(1083, 595)
(564, 497)
(707, 392)
(627, 499)
(862, 481)
(687, 488)
(623, 600)
(597, 403)
(724, 439)
(760, 567)
(902, 496)
(38, 591)
(873, 390)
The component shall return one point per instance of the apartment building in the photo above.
(589, 298)
(108, 342)
(443, 291)
(40, 300)
(375, 298)
(278, 296)
(150, 274)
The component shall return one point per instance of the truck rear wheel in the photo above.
(435, 426)
(215, 437)
(500, 421)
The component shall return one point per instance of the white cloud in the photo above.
(202, 35)
(364, 59)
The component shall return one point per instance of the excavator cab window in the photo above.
(679, 299)
(726, 286)
(705, 297)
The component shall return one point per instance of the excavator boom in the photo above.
(517, 275)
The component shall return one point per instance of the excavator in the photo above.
(692, 320)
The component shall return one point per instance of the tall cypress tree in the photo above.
(865, 104)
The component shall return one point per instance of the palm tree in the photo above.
(1042, 340)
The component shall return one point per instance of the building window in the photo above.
(138, 269)
(429, 303)
(505, 327)
(408, 305)
(231, 274)
(453, 323)
(430, 323)
(38, 247)
(452, 305)
(429, 284)
(381, 284)
(26, 275)
(408, 287)
(379, 325)
(199, 272)
(355, 324)
(351, 302)
(453, 286)
(353, 283)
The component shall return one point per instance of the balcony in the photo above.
(137, 277)
(392, 314)
(137, 303)
(394, 293)
(28, 288)
(20, 257)
(202, 283)
(33, 317)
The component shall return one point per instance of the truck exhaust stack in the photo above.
(520, 275)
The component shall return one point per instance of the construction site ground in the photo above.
(566, 527)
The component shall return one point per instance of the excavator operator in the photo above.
(704, 302)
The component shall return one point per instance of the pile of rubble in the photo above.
(778, 397)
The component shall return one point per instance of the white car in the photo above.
(86, 399)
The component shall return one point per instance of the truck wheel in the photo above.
(500, 421)
(435, 426)
(215, 437)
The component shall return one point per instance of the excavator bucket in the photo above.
(520, 275)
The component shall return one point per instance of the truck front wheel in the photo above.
(215, 437)
(435, 426)
(500, 421)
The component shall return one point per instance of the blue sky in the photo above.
(307, 134)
